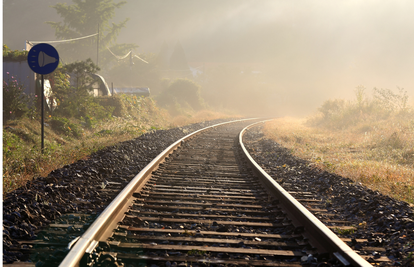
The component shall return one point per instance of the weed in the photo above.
(196, 252)
(187, 233)
(104, 132)
(66, 141)
(16, 103)
(381, 160)
(348, 231)
(65, 126)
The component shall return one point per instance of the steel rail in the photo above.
(303, 216)
(116, 208)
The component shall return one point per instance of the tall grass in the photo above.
(69, 140)
(368, 140)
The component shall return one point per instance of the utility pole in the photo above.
(97, 48)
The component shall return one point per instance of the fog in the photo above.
(302, 52)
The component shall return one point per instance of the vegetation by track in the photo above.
(68, 140)
(370, 140)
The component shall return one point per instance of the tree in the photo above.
(83, 18)
(183, 92)
(178, 63)
(72, 100)
(137, 74)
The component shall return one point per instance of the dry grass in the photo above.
(380, 155)
(23, 160)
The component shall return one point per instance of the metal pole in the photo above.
(97, 49)
(42, 114)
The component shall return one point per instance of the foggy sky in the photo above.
(319, 49)
(329, 46)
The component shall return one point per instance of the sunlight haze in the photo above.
(307, 51)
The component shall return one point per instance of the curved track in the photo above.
(205, 202)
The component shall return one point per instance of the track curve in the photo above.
(205, 204)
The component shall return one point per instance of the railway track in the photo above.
(206, 203)
(203, 205)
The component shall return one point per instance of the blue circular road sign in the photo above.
(43, 58)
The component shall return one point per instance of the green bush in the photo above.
(15, 102)
(13, 55)
(112, 103)
(74, 101)
(64, 126)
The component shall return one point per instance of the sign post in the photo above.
(43, 59)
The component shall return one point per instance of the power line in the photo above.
(140, 59)
(62, 41)
(128, 54)
(119, 57)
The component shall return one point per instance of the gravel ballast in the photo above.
(79, 188)
(385, 222)
(84, 188)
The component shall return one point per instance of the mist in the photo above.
(299, 53)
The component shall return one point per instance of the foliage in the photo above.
(66, 140)
(77, 101)
(62, 93)
(378, 154)
(340, 114)
(15, 102)
(348, 231)
(81, 70)
(196, 252)
(94, 112)
(178, 62)
(64, 126)
(132, 72)
(13, 55)
(330, 108)
(360, 96)
(82, 19)
(114, 102)
(181, 92)
(394, 102)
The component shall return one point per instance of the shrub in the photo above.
(74, 101)
(64, 126)
(13, 55)
(331, 108)
(394, 102)
(339, 114)
(15, 102)
(181, 93)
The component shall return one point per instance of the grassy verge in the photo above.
(378, 153)
(69, 140)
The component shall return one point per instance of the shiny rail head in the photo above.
(337, 245)
(75, 255)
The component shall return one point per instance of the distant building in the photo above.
(21, 72)
(138, 91)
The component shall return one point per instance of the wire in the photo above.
(189, 69)
(119, 57)
(128, 54)
(140, 59)
(62, 41)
